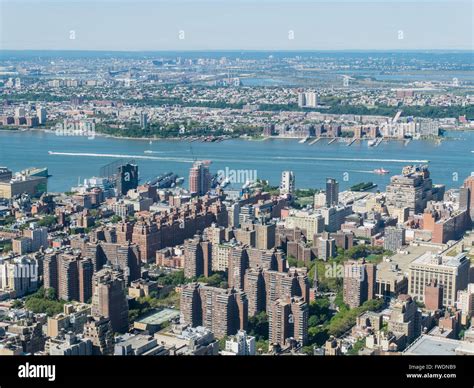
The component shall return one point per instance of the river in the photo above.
(450, 160)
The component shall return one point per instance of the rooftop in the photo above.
(429, 258)
(401, 260)
(438, 346)
(159, 317)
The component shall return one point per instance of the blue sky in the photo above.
(234, 25)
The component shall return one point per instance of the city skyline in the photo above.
(218, 178)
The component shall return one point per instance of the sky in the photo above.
(142, 25)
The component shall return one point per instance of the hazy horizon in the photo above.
(238, 25)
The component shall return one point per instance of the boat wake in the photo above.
(180, 160)
(353, 159)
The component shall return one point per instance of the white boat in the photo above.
(380, 171)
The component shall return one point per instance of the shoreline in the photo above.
(242, 137)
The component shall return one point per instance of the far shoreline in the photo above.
(242, 137)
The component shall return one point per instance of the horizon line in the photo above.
(244, 50)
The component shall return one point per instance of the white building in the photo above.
(451, 273)
(19, 275)
(307, 100)
(465, 302)
(240, 344)
(312, 223)
(287, 184)
(41, 113)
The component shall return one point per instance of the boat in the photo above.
(380, 171)
(372, 142)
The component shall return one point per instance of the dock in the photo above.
(314, 141)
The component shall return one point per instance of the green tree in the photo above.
(258, 326)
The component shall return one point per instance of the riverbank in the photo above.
(217, 139)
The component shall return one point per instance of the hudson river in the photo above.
(80, 157)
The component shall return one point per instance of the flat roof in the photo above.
(159, 317)
(446, 261)
(438, 346)
(403, 260)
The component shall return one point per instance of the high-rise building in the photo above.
(334, 216)
(220, 255)
(197, 257)
(412, 189)
(222, 311)
(199, 178)
(50, 271)
(394, 238)
(41, 114)
(109, 299)
(288, 319)
(326, 247)
(125, 256)
(147, 236)
(238, 264)
(332, 192)
(359, 283)
(19, 275)
(307, 100)
(265, 236)
(38, 237)
(233, 214)
(127, 178)
(99, 330)
(287, 184)
(465, 303)
(284, 285)
(68, 277)
(215, 234)
(310, 223)
(143, 120)
(254, 286)
(405, 319)
(450, 272)
(124, 232)
(466, 200)
(190, 306)
(85, 272)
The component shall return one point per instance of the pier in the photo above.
(314, 141)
